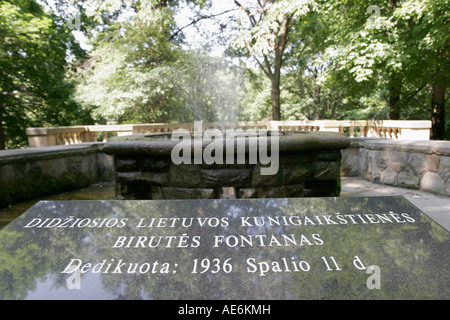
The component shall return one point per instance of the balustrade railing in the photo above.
(389, 129)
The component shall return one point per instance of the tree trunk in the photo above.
(394, 98)
(272, 68)
(394, 85)
(438, 111)
(316, 102)
(392, 4)
(394, 109)
(276, 96)
(276, 76)
(2, 132)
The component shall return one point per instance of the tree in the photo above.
(309, 74)
(428, 32)
(127, 68)
(138, 72)
(34, 89)
(401, 46)
(363, 43)
(266, 38)
(194, 87)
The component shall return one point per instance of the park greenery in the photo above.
(280, 60)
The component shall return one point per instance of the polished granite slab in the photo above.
(297, 248)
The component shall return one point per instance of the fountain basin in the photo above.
(308, 166)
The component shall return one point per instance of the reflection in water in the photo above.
(304, 248)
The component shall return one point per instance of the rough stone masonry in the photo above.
(309, 165)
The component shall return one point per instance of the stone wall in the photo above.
(421, 165)
(31, 173)
(299, 174)
(309, 165)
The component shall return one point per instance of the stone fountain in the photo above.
(307, 165)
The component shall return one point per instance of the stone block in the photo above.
(89, 167)
(105, 167)
(372, 169)
(158, 178)
(444, 168)
(298, 157)
(259, 180)
(324, 170)
(226, 178)
(155, 164)
(432, 182)
(54, 167)
(35, 172)
(388, 176)
(7, 173)
(408, 178)
(350, 165)
(295, 173)
(432, 161)
(127, 164)
(143, 177)
(74, 164)
(381, 159)
(364, 165)
(397, 160)
(418, 162)
(22, 170)
(183, 175)
(128, 177)
(327, 156)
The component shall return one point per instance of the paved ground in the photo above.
(435, 206)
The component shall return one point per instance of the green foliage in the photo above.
(194, 87)
(262, 35)
(138, 73)
(369, 59)
(34, 86)
(337, 59)
(256, 98)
